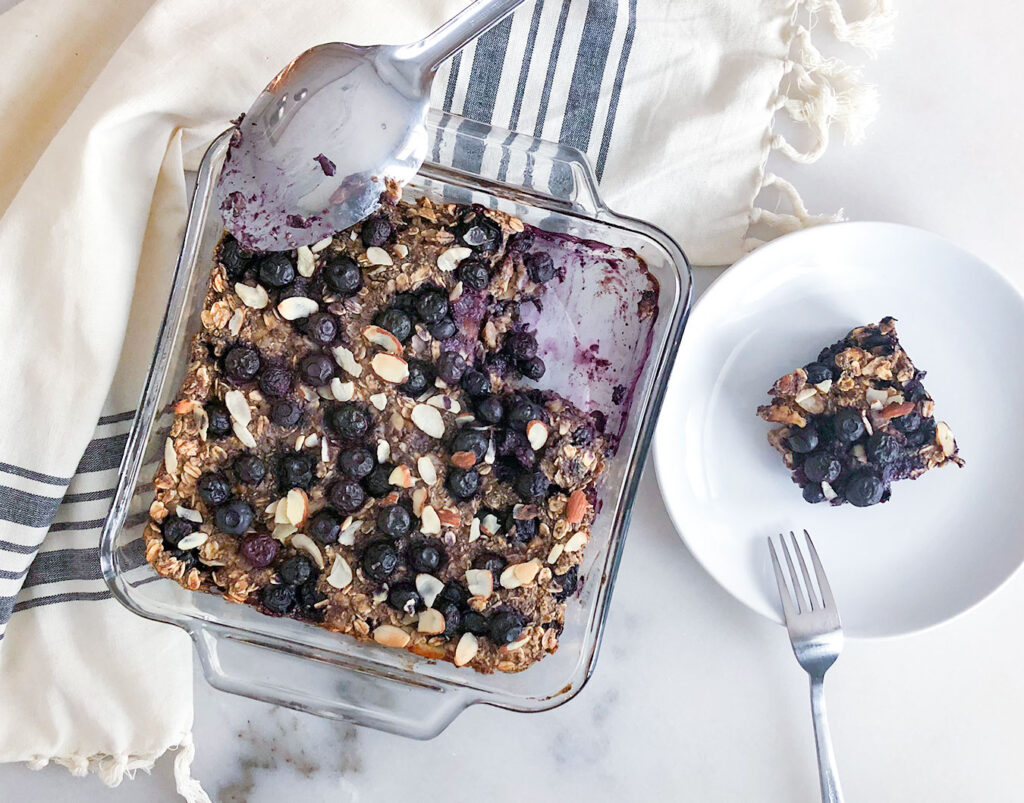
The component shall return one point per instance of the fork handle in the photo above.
(827, 770)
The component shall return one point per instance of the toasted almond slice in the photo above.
(944, 437)
(492, 452)
(449, 518)
(282, 532)
(308, 545)
(430, 524)
(576, 542)
(383, 338)
(193, 540)
(238, 407)
(344, 358)
(897, 410)
(826, 489)
(824, 386)
(202, 419)
(312, 440)
(402, 250)
(428, 587)
(170, 458)
(463, 459)
(188, 514)
(341, 573)
(515, 645)
(299, 440)
(295, 307)
(379, 400)
(480, 582)
(537, 435)
(342, 391)
(349, 531)
(813, 403)
(522, 512)
(296, 505)
(804, 394)
(391, 636)
(576, 507)
(859, 453)
(401, 476)
(449, 259)
(509, 579)
(281, 512)
(429, 420)
(235, 324)
(243, 435)
(320, 245)
(383, 451)
(390, 368)
(527, 572)
(490, 524)
(419, 496)
(378, 256)
(305, 263)
(556, 552)
(255, 297)
(873, 395)
(325, 451)
(431, 622)
(446, 403)
(466, 649)
(425, 467)
(271, 509)
(474, 529)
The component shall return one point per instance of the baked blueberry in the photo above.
(278, 598)
(356, 462)
(812, 493)
(295, 470)
(532, 368)
(568, 583)
(405, 301)
(380, 559)
(504, 627)
(476, 383)
(377, 483)
(421, 376)
(473, 274)
(308, 596)
(233, 257)
(450, 367)
(475, 623)
(220, 419)
(285, 412)
(249, 469)
(394, 521)
(522, 412)
(324, 527)
(521, 345)
(234, 517)
(259, 549)
(276, 270)
(452, 618)
(175, 528)
(395, 321)
(347, 495)
(241, 363)
(492, 561)
(432, 305)
(821, 467)
(453, 593)
(443, 329)
(584, 435)
(342, 275)
(213, 488)
(490, 410)
(480, 233)
(847, 425)
(510, 443)
(295, 570)
(882, 448)
(316, 369)
(402, 596)
(817, 372)
(532, 485)
(463, 483)
(426, 556)
(522, 530)
(470, 440)
(321, 328)
(540, 266)
(499, 364)
(375, 231)
(275, 380)
(907, 423)
(348, 421)
(863, 488)
(803, 440)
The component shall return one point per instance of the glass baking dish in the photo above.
(293, 664)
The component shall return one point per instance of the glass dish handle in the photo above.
(325, 687)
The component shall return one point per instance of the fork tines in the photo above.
(803, 598)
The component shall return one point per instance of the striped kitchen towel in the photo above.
(673, 102)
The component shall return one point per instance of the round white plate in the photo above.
(943, 542)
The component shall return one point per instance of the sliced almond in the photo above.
(238, 407)
(944, 437)
(295, 307)
(419, 496)
(897, 410)
(826, 489)
(296, 505)
(188, 514)
(449, 518)
(305, 262)
(299, 440)
(170, 458)
(429, 420)
(466, 649)
(873, 395)
(342, 391)
(474, 529)
(810, 400)
(391, 636)
(555, 553)
(509, 579)
(320, 245)
(378, 256)
(427, 472)
(430, 524)
(243, 435)
(349, 532)
(491, 453)
(344, 358)
(431, 622)
(490, 524)
(401, 476)
(309, 546)
(527, 572)
(449, 259)
(325, 451)
(281, 512)
(463, 459)
(859, 453)
(390, 368)
(428, 587)
(824, 386)
(537, 435)
(312, 440)
(282, 532)
(383, 451)
(379, 400)
(576, 542)
(341, 573)
(516, 645)
(480, 582)
(446, 403)
(402, 250)
(255, 297)
(577, 506)
(235, 324)
(383, 338)
(192, 540)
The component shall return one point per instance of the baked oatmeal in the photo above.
(857, 419)
(360, 441)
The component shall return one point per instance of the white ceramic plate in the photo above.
(943, 542)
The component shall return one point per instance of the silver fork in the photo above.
(817, 638)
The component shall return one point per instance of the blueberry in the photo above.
(490, 410)
(295, 470)
(463, 483)
(568, 582)
(863, 488)
(426, 556)
(394, 521)
(275, 380)
(522, 530)
(241, 363)
(473, 274)
(220, 420)
(476, 383)
(309, 596)
(812, 493)
(421, 376)
(276, 270)
(452, 618)
(520, 242)
(234, 518)
(324, 527)
(540, 266)
(342, 275)
(532, 485)
(395, 321)
(532, 368)
(450, 367)
(443, 329)
(380, 559)
(821, 467)
(347, 495)
(523, 411)
(882, 449)
(509, 443)
(499, 364)
(470, 440)
(348, 421)
(249, 469)
(296, 570)
(925, 433)
(233, 257)
(377, 483)
(321, 328)
(584, 435)
(259, 549)
(878, 341)
(492, 561)
(316, 369)
(375, 231)
(803, 440)
(914, 390)
(432, 305)
(480, 233)
(847, 425)
(816, 372)
(907, 423)
(475, 623)
(174, 529)
(452, 593)
(278, 598)
(285, 412)
(521, 345)
(402, 596)
(356, 462)
(213, 488)
(504, 627)
(406, 302)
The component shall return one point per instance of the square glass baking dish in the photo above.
(293, 664)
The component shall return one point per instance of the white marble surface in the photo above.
(695, 698)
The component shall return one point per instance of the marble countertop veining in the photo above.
(694, 697)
